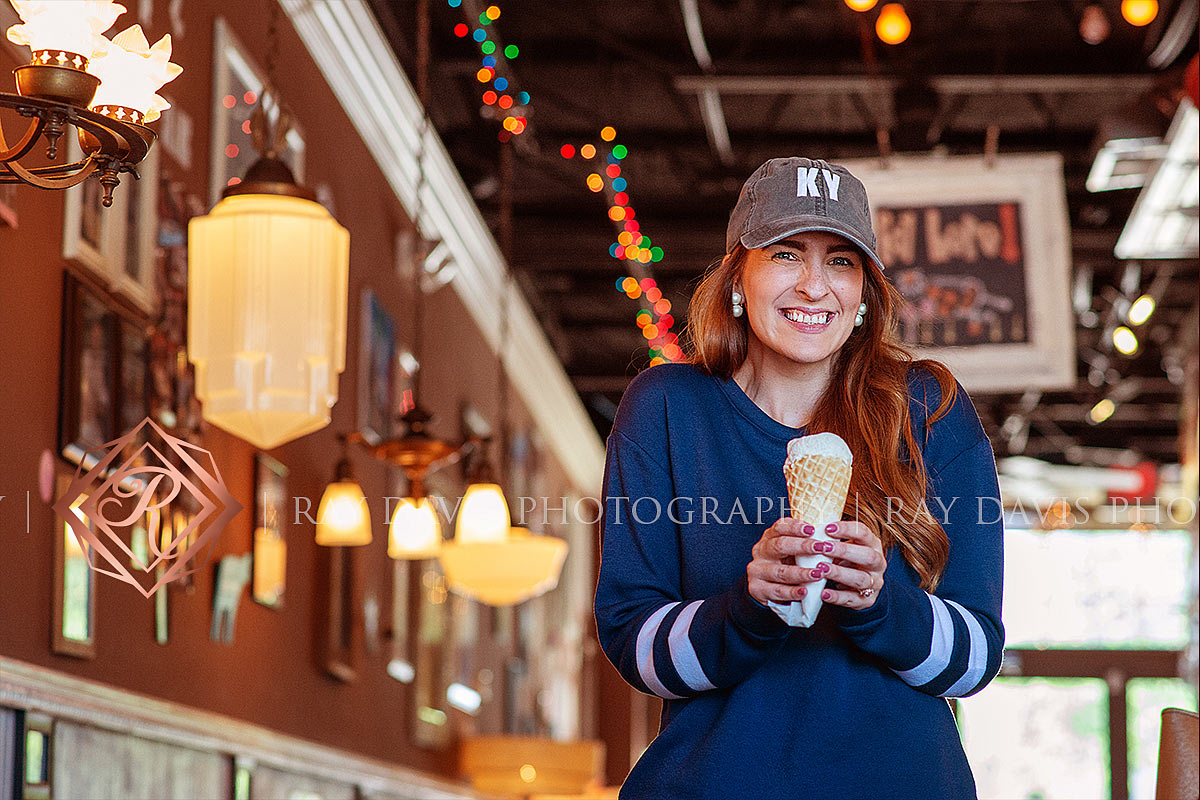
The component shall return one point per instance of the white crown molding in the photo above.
(348, 47)
(62, 696)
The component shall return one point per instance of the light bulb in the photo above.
(342, 517)
(414, 532)
(1141, 310)
(1102, 411)
(861, 5)
(1125, 341)
(73, 26)
(1139, 12)
(132, 72)
(483, 516)
(893, 25)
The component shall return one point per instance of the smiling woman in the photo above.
(793, 333)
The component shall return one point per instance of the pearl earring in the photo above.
(862, 312)
(738, 308)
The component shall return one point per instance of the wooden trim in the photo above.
(29, 687)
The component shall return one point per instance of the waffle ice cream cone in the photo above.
(817, 469)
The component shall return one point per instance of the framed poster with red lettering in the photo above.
(982, 255)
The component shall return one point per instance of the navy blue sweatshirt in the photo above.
(852, 707)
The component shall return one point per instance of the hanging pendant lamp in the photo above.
(268, 276)
(343, 519)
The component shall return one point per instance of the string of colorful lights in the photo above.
(632, 246)
(499, 99)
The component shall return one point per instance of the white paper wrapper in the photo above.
(818, 474)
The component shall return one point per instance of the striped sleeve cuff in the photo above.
(958, 652)
(666, 660)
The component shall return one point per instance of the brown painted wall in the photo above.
(270, 675)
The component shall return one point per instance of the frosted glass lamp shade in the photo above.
(342, 518)
(132, 72)
(267, 284)
(506, 572)
(72, 26)
(483, 516)
(415, 531)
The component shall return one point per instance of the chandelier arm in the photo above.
(28, 140)
(34, 177)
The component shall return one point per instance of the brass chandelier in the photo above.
(76, 78)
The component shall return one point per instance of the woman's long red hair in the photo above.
(867, 404)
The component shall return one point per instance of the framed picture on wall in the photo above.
(104, 388)
(115, 244)
(981, 253)
(237, 86)
(73, 620)
(377, 363)
(88, 373)
(270, 545)
(342, 637)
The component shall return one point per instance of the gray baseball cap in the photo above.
(790, 195)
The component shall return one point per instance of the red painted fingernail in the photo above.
(808, 530)
(826, 596)
(831, 527)
(801, 592)
(823, 547)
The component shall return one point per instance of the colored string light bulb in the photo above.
(1139, 12)
(461, 30)
(619, 151)
(588, 151)
(483, 75)
(511, 51)
(501, 84)
(493, 12)
(608, 133)
(489, 97)
(488, 48)
(479, 35)
(595, 182)
(861, 5)
(613, 171)
(893, 25)
(523, 98)
(505, 102)
(567, 151)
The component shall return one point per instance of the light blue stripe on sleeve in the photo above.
(645, 652)
(940, 647)
(683, 655)
(976, 656)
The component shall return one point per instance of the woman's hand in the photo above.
(858, 565)
(772, 573)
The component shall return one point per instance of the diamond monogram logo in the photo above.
(121, 500)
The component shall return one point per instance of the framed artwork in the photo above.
(431, 721)
(73, 620)
(400, 660)
(237, 86)
(115, 244)
(104, 387)
(88, 373)
(8, 209)
(341, 631)
(270, 545)
(982, 255)
(377, 362)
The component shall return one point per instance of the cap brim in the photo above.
(772, 232)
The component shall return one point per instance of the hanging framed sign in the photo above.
(982, 254)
